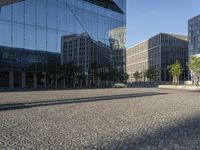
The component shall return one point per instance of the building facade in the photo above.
(194, 42)
(194, 35)
(158, 52)
(32, 33)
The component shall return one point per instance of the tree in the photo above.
(95, 73)
(136, 76)
(126, 76)
(115, 73)
(194, 65)
(157, 74)
(175, 71)
(151, 73)
(144, 74)
(71, 71)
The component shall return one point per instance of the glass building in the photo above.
(194, 43)
(194, 35)
(31, 33)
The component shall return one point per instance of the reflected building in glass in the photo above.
(117, 39)
(83, 51)
(31, 33)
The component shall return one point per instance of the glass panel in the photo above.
(101, 28)
(62, 16)
(80, 28)
(5, 32)
(18, 35)
(17, 78)
(51, 40)
(30, 37)
(60, 34)
(4, 78)
(41, 40)
(51, 14)
(5, 12)
(41, 13)
(71, 19)
(30, 12)
(18, 12)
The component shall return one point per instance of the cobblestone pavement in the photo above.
(145, 119)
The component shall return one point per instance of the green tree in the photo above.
(64, 69)
(95, 73)
(151, 74)
(175, 71)
(126, 76)
(194, 65)
(136, 76)
(115, 73)
(144, 75)
(71, 72)
(157, 74)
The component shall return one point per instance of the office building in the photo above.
(36, 27)
(158, 52)
(194, 35)
(194, 42)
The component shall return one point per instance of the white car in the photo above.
(119, 85)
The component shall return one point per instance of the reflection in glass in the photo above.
(31, 46)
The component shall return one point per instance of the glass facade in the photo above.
(194, 43)
(31, 33)
(194, 35)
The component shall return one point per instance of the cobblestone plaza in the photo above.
(138, 118)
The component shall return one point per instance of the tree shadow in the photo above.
(26, 105)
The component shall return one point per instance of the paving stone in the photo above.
(146, 119)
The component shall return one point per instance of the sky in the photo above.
(146, 18)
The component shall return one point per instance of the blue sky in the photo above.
(146, 18)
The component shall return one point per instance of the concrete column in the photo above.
(45, 81)
(11, 82)
(23, 79)
(35, 80)
(64, 83)
(87, 81)
(56, 81)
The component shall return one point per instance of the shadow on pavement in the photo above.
(180, 135)
(26, 105)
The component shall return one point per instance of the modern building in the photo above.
(194, 41)
(158, 52)
(194, 35)
(35, 28)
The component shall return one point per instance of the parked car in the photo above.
(119, 85)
